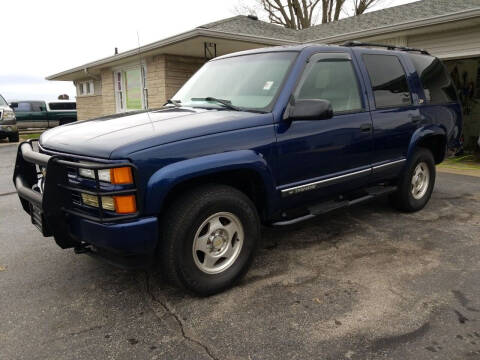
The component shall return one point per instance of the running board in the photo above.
(326, 207)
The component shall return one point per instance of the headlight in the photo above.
(8, 115)
(118, 176)
(103, 175)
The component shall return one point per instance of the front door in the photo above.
(321, 157)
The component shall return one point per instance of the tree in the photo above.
(361, 6)
(302, 14)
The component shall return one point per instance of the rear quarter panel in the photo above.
(438, 119)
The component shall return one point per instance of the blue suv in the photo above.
(272, 136)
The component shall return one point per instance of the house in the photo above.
(147, 76)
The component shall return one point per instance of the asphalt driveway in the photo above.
(362, 283)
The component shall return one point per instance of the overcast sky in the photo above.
(41, 38)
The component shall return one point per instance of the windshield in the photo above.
(249, 82)
(2, 101)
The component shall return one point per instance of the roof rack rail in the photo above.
(389, 47)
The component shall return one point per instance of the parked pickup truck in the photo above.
(44, 114)
(8, 124)
(269, 136)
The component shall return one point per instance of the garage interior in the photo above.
(466, 76)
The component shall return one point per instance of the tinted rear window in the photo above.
(22, 106)
(62, 105)
(437, 85)
(28, 106)
(389, 82)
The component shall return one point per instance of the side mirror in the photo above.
(311, 109)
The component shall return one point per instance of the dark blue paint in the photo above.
(137, 237)
(171, 146)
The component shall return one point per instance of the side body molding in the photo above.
(163, 180)
(423, 133)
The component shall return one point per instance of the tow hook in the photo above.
(82, 249)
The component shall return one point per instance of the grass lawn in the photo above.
(24, 137)
(465, 162)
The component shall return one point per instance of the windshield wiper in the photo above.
(176, 103)
(226, 103)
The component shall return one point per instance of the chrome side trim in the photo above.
(314, 185)
(389, 164)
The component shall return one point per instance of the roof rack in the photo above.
(389, 47)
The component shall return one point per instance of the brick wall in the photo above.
(89, 107)
(165, 75)
(178, 70)
(108, 93)
(156, 81)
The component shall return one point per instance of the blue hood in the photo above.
(117, 136)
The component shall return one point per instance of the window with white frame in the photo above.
(85, 88)
(130, 88)
(119, 91)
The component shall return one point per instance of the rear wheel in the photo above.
(209, 236)
(14, 137)
(416, 185)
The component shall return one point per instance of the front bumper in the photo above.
(8, 130)
(55, 212)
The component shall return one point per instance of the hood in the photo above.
(5, 107)
(119, 135)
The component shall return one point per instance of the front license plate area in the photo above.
(37, 218)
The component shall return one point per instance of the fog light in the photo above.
(92, 200)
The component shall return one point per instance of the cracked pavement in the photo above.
(362, 283)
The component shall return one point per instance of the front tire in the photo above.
(209, 236)
(14, 138)
(416, 184)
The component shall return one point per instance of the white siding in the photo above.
(449, 44)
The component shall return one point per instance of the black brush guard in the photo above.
(50, 210)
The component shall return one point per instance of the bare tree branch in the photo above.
(302, 14)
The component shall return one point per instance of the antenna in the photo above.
(143, 78)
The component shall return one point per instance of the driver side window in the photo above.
(332, 78)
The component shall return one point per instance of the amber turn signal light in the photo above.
(121, 175)
(125, 204)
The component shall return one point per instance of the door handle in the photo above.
(367, 127)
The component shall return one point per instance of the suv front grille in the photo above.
(74, 185)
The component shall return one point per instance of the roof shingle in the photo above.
(386, 17)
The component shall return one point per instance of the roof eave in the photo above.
(168, 41)
(434, 20)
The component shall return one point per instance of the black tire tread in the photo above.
(401, 198)
(178, 216)
(14, 138)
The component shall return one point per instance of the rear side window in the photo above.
(333, 79)
(37, 106)
(436, 82)
(62, 105)
(389, 82)
(22, 107)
